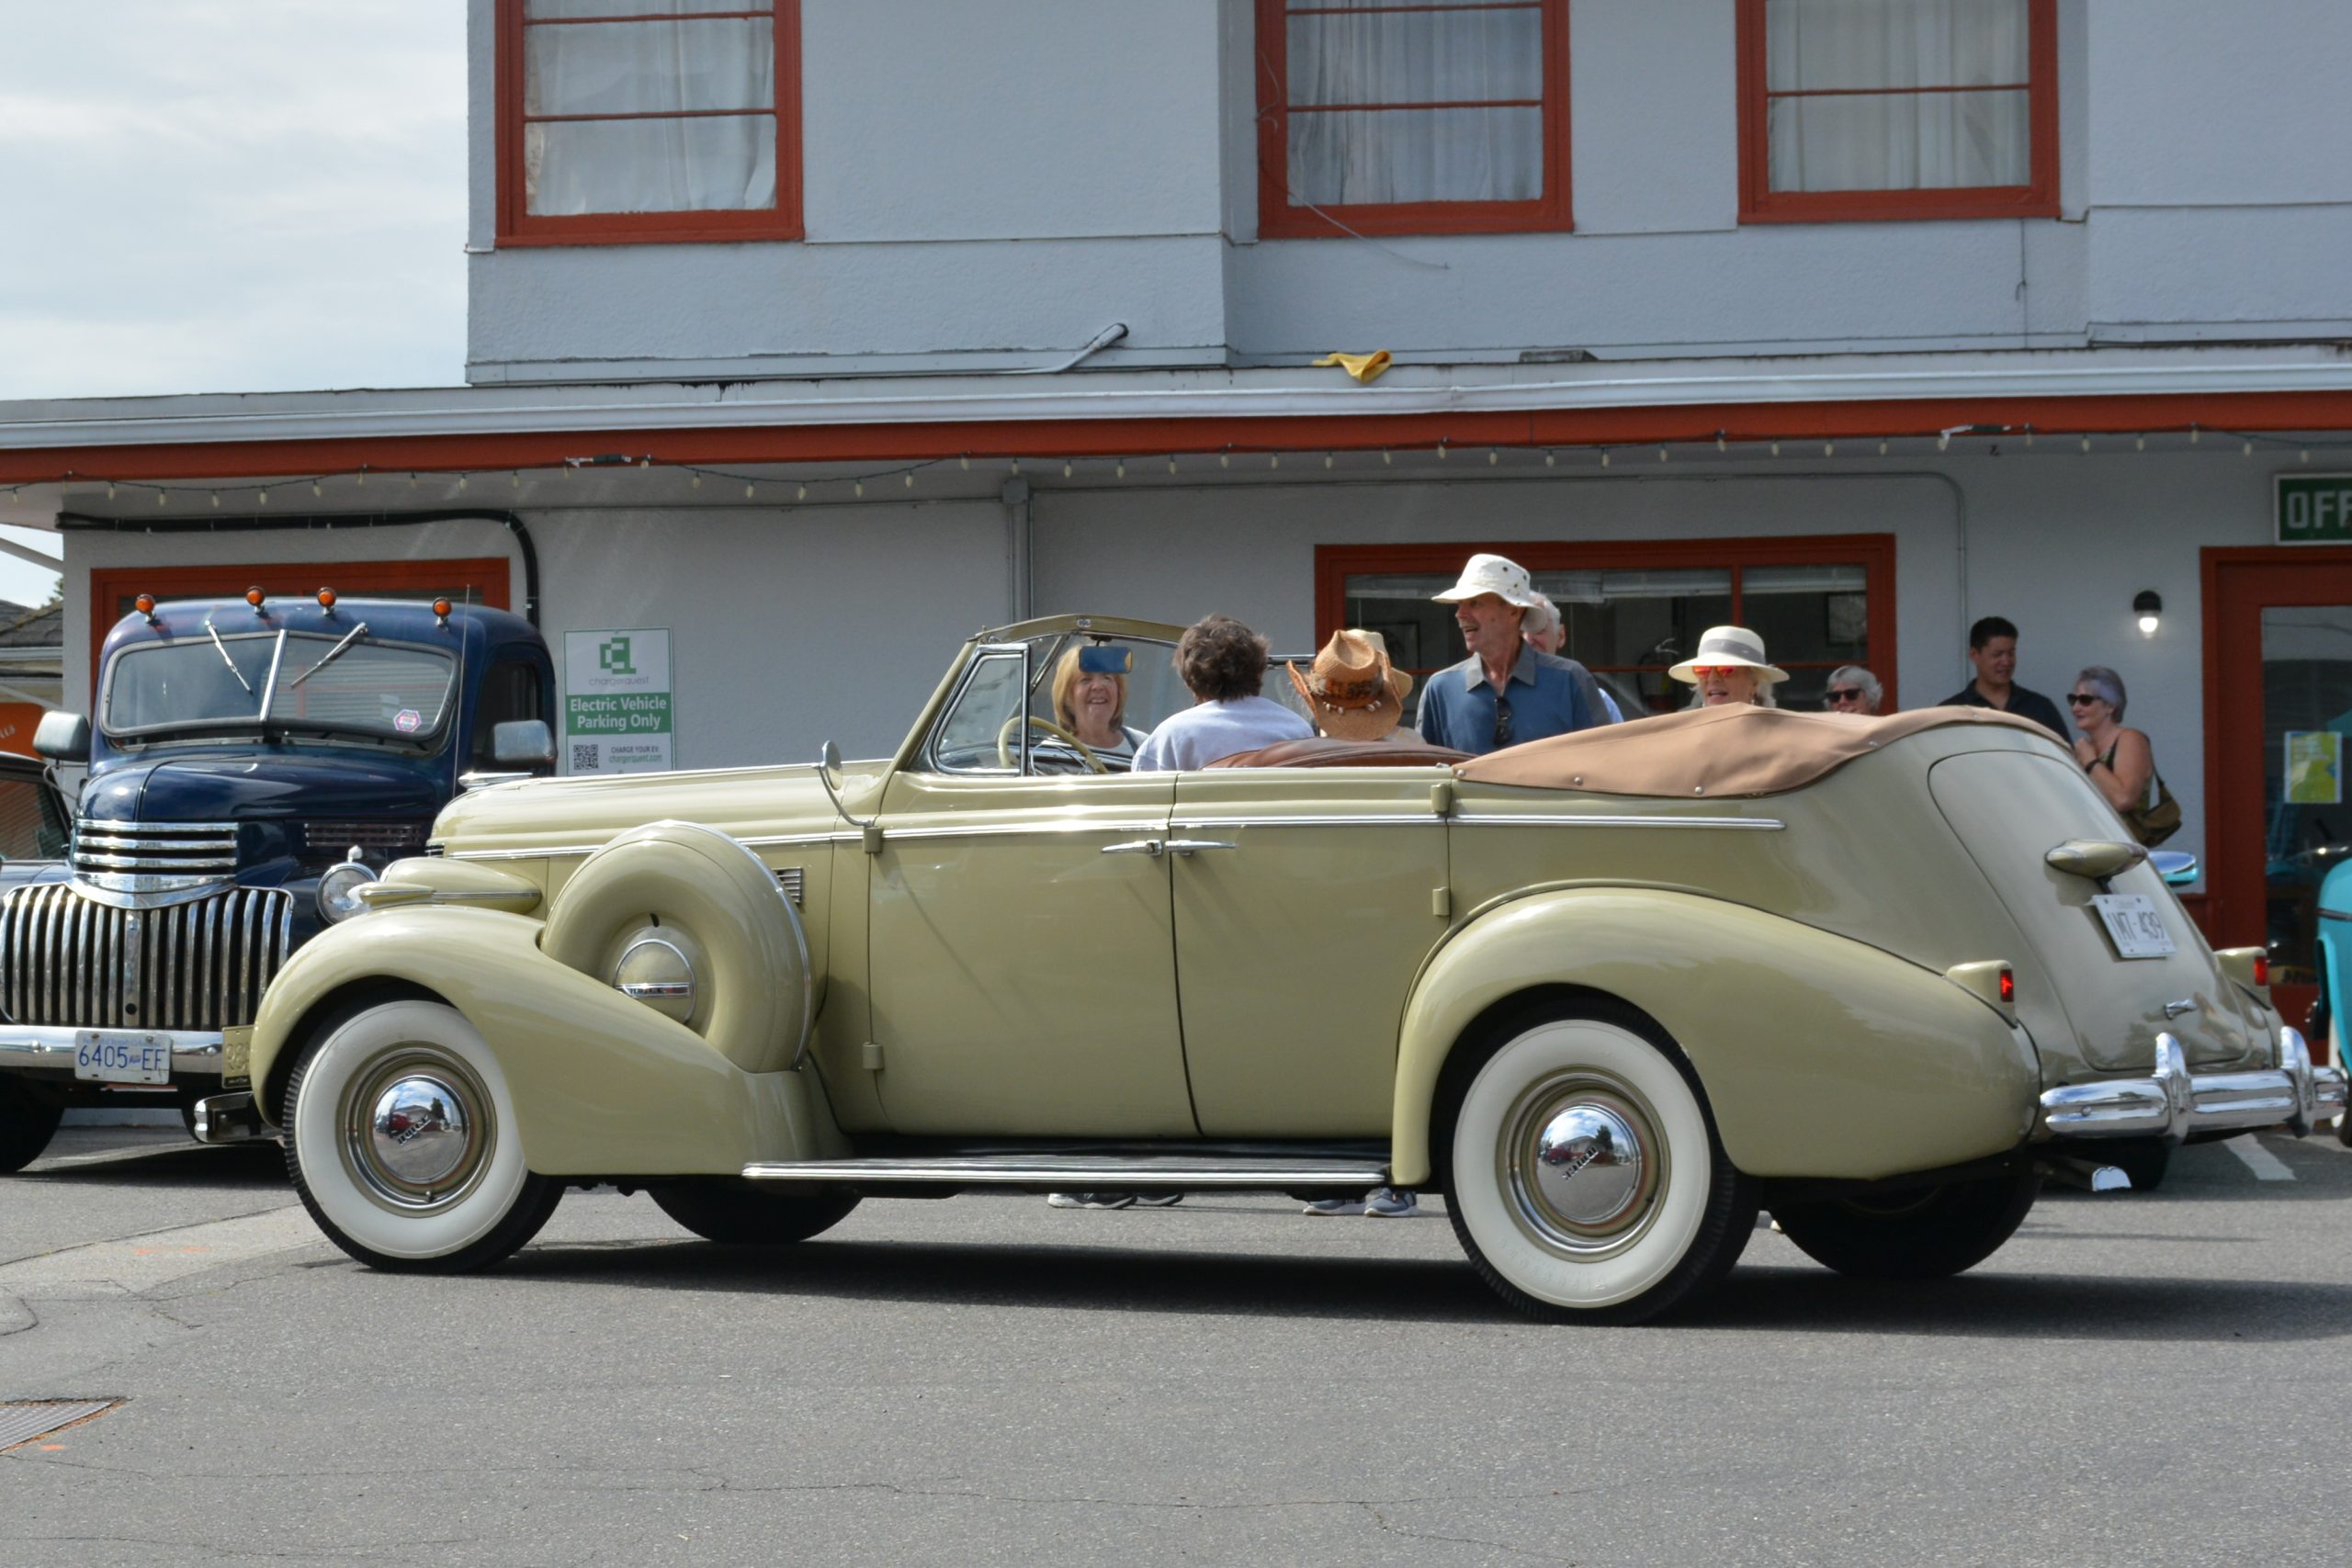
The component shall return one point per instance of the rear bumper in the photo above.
(2175, 1103)
(50, 1049)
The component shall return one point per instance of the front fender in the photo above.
(1821, 1057)
(602, 1086)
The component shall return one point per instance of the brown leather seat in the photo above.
(1323, 751)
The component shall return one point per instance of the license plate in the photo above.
(121, 1055)
(2133, 925)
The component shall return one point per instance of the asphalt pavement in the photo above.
(2142, 1379)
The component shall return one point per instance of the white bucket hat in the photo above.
(1492, 574)
(1729, 645)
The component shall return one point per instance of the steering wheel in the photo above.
(1004, 741)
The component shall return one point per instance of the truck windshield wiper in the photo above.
(232, 663)
(332, 654)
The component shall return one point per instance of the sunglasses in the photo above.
(2078, 699)
(1502, 722)
(1703, 671)
(1845, 695)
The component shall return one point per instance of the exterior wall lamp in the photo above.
(2150, 607)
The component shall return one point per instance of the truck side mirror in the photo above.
(64, 737)
(523, 743)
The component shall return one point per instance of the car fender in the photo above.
(602, 1085)
(1821, 1057)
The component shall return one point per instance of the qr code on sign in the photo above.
(586, 756)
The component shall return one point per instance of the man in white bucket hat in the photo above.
(1504, 691)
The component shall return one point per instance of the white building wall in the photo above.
(994, 180)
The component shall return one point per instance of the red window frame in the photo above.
(1758, 203)
(782, 221)
(1875, 553)
(113, 587)
(1278, 220)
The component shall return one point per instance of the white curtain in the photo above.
(1448, 54)
(706, 163)
(1878, 141)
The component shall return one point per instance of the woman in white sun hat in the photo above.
(1728, 669)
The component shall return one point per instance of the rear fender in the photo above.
(1820, 1056)
(603, 1085)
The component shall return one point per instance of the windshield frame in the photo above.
(423, 742)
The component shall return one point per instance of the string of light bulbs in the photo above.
(827, 487)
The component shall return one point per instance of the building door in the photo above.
(2278, 723)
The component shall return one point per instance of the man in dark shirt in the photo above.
(1993, 648)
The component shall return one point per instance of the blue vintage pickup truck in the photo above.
(252, 759)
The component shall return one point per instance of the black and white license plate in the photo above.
(121, 1056)
(2133, 925)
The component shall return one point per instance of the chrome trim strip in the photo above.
(1018, 830)
(1425, 820)
(149, 862)
(549, 853)
(2173, 1102)
(52, 1049)
(146, 828)
(789, 840)
(1752, 824)
(1081, 1170)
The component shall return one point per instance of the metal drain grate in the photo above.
(22, 1420)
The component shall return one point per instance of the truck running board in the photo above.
(1075, 1172)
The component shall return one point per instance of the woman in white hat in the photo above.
(1353, 693)
(1728, 669)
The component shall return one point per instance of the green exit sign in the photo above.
(2316, 509)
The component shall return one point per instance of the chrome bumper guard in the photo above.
(50, 1048)
(228, 1119)
(2175, 1103)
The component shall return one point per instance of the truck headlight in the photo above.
(339, 891)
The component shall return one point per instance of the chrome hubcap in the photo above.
(1583, 1163)
(417, 1130)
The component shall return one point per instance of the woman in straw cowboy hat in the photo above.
(1728, 669)
(1353, 691)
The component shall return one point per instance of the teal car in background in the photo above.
(2334, 942)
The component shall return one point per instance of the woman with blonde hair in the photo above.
(1729, 669)
(1089, 694)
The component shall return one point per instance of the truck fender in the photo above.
(602, 1085)
(713, 901)
(1821, 1057)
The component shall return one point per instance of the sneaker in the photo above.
(1388, 1204)
(1334, 1206)
(1090, 1200)
(1158, 1200)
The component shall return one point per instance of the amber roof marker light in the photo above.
(441, 608)
(146, 605)
(254, 596)
(326, 600)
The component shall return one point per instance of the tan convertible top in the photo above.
(1715, 751)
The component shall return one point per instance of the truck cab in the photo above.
(242, 750)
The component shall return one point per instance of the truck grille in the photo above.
(153, 857)
(72, 961)
(323, 836)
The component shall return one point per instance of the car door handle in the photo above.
(1153, 846)
(1186, 846)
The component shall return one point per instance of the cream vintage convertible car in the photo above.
(1607, 993)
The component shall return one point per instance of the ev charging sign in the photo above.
(616, 712)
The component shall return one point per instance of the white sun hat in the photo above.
(1492, 574)
(1729, 645)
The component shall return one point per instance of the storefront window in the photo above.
(1629, 624)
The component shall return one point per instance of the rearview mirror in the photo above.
(63, 737)
(523, 743)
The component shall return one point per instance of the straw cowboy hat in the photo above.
(1353, 691)
(1492, 574)
(1729, 645)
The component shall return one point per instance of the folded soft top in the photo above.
(1733, 750)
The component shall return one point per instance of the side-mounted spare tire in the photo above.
(696, 925)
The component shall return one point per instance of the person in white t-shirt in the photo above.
(1223, 663)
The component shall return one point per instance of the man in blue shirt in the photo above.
(1504, 691)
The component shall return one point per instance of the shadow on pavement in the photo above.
(2029, 1306)
(172, 1165)
(1360, 1290)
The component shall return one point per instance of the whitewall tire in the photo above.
(1586, 1181)
(400, 1138)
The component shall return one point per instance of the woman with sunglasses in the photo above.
(1854, 690)
(2120, 761)
(1729, 669)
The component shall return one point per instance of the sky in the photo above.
(217, 196)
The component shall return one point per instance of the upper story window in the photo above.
(647, 119)
(1897, 108)
(1412, 116)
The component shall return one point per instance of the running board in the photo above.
(1085, 1172)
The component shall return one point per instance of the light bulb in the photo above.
(1661, 454)
(1441, 451)
(802, 494)
(1326, 459)
(695, 483)
(1493, 456)
(2087, 442)
(1066, 468)
(1386, 457)
(910, 478)
(1881, 447)
(966, 461)
(1275, 461)
(1171, 462)
(858, 486)
(1719, 440)
(751, 489)
(1551, 459)
(2148, 626)
(263, 496)
(1119, 469)
(1225, 459)
(1604, 460)
(461, 480)
(216, 498)
(1776, 449)
(1829, 449)
(314, 488)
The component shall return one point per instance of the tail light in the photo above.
(2261, 969)
(2008, 987)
